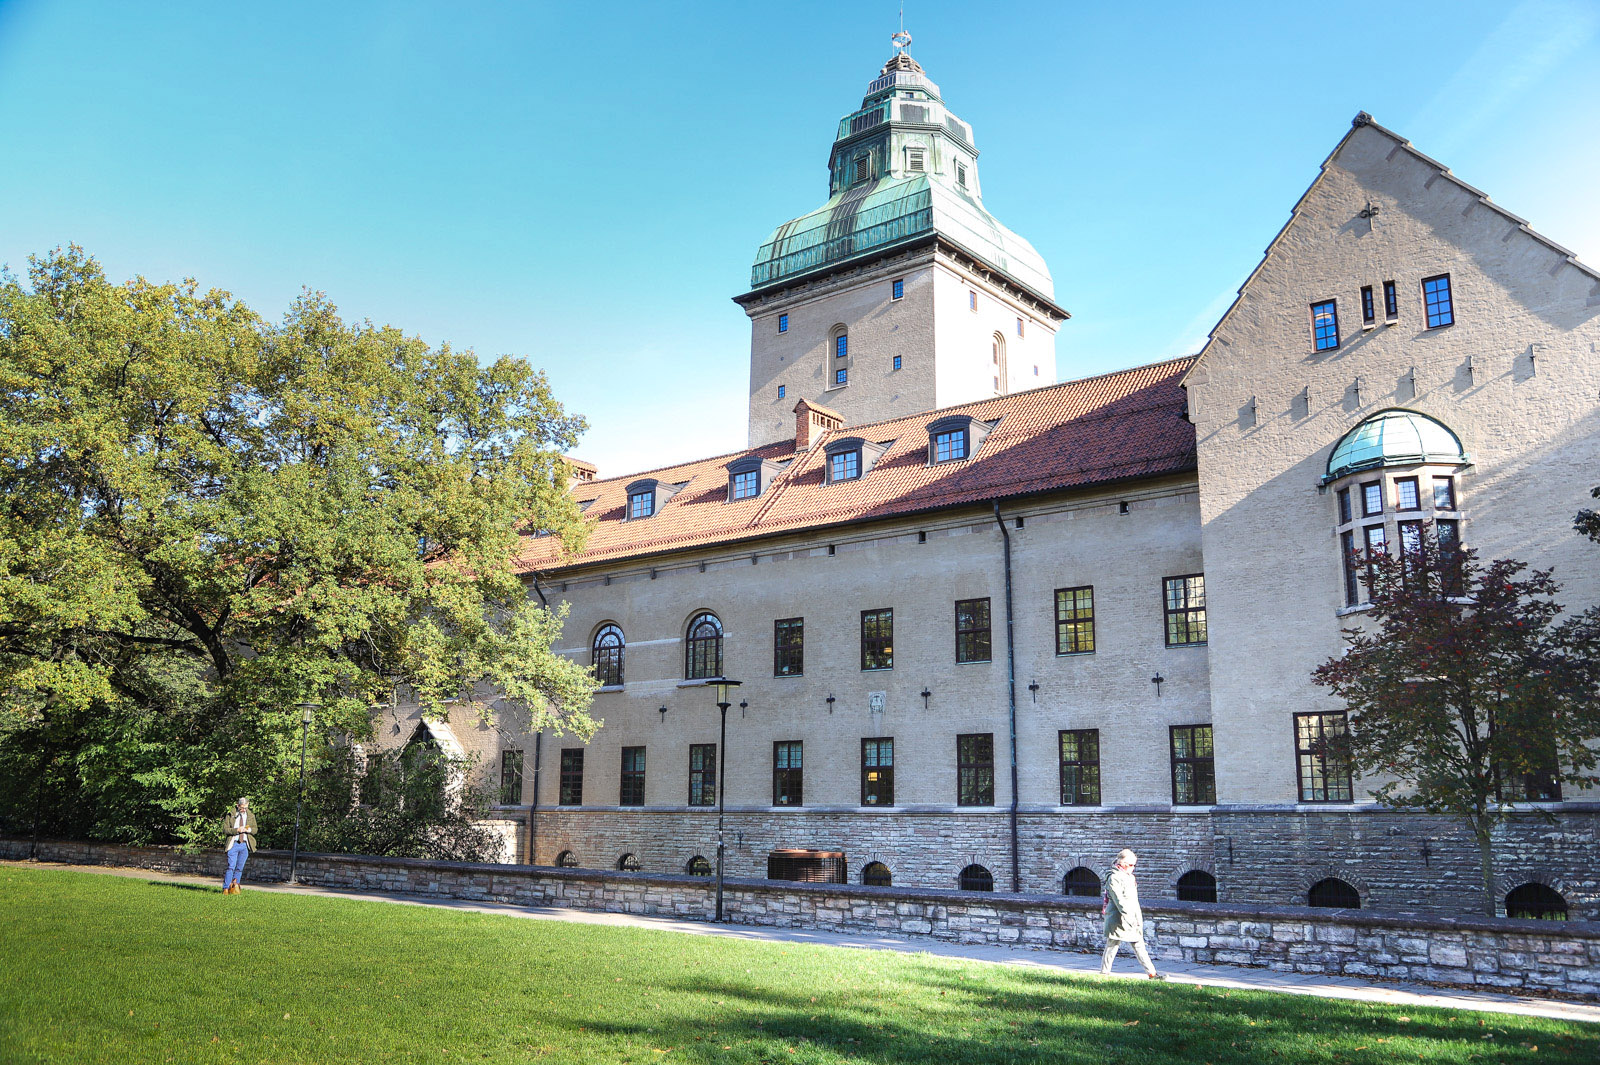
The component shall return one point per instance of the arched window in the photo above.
(838, 367)
(703, 651)
(1082, 883)
(1537, 902)
(608, 647)
(876, 874)
(567, 860)
(997, 351)
(628, 863)
(697, 866)
(1334, 894)
(1197, 885)
(976, 878)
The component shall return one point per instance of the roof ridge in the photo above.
(679, 465)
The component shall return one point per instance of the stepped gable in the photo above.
(1097, 430)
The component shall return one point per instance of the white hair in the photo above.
(1125, 856)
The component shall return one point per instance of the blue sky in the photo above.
(586, 185)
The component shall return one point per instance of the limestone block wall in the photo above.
(1534, 956)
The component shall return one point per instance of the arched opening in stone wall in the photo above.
(1537, 902)
(1334, 893)
(976, 878)
(1197, 885)
(1081, 882)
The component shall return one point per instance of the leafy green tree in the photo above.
(207, 518)
(1464, 691)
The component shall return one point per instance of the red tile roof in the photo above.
(1114, 427)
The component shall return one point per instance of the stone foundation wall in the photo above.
(1400, 862)
(1535, 956)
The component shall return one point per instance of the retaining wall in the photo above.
(1518, 955)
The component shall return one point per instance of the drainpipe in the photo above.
(1011, 684)
(538, 762)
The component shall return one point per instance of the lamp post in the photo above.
(305, 725)
(722, 685)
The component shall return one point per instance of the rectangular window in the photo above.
(1186, 609)
(571, 777)
(1194, 778)
(950, 446)
(1345, 514)
(1376, 545)
(1352, 575)
(1436, 301)
(632, 777)
(844, 466)
(877, 639)
(1449, 535)
(702, 774)
(783, 323)
(1019, 327)
(1325, 325)
(961, 175)
(897, 362)
(788, 647)
(746, 484)
(972, 630)
(898, 289)
(915, 159)
(1391, 301)
(786, 779)
(641, 505)
(1321, 760)
(972, 299)
(782, 391)
(1410, 538)
(510, 778)
(1371, 499)
(1369, 311)
(975, 769)
(1075, 620)
(841, 346)
(1406, 494)
(841, 376)
(1444, 493)
(877, 772)
(1080, 767)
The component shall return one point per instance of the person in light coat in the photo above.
(1124, 919)
(239, 827)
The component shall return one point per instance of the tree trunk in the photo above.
(1486, 863)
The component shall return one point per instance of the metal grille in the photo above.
(1081, 883)
(1197, 885)
(976, 878)
(806, 866)
(1334, 893)
(1536, 902)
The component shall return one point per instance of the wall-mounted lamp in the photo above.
(1033, 690)
(1427, 853)
(663, 713)
(1471, 370)
(925, 694)
(830, 702)
(1158, 680)
(1370, 211)
(744, 704)
(1356, 388)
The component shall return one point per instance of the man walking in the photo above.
(240, 828)
(1124, 919)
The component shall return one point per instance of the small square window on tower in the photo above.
(897, 362)
(899, 289)
(961, 175)
(1019, 327)
(783, 390)
(783, 323)
(972, 299)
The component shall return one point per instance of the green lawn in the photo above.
(107, 969)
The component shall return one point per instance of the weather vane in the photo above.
(901, 40)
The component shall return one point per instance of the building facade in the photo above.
(989, 633)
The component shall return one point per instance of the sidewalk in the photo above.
(1228, 976)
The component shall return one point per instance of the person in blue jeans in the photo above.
(239, 826)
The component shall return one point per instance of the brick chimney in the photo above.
(810, 422)
(579, 470)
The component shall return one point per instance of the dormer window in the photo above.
(648, 495)
(749, 476)
(852, 458)
(954, 438)
(744, 485)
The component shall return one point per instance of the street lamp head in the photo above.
(722, 685)
(306, 710)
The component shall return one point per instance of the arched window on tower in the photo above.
(838, 368)
(997, 354)
(607, 651)
(703, 649)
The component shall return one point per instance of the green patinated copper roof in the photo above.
(903, 167)
(1394, 438)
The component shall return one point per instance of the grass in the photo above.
(108, 969)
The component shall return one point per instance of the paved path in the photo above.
(1231, 976)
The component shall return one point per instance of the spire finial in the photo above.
(902, 39)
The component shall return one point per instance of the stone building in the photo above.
(989, 633)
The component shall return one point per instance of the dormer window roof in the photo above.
(956, 437)
(851, 458)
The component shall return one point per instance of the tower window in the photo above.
(1019, 327)
(782, 391)
(841, 346)
(863, 167)
(972, 299)
(841, 376)
(898, 289)
(1436, 300)
(1325, 325)
(916, 159)
(1369, 313)
(961, 175)
(1391, 301)
(897, 362)
(783, 323)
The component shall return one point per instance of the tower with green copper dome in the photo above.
(901, 293)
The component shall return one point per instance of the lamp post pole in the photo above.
(723, 684)
(305, 725)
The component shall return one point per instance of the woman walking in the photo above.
(1124, 919)
(240, 829)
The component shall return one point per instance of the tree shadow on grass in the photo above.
(937, 1014)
